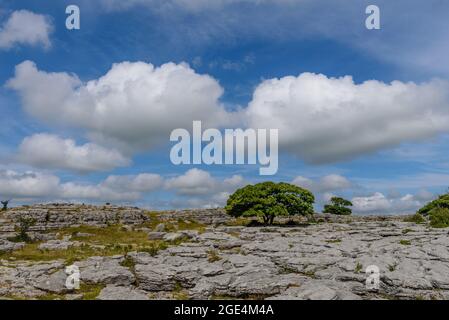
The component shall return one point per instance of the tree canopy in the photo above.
(441, 202)
(269, 199)
(338, 206)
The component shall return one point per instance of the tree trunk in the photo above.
(265, 220)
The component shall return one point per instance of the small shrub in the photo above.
(439, 218)
(212, 256)
(392, 267)
(405, 242)
(179, 293)
(358, 267)
(22, 229)
(128, 262)
(416, 218)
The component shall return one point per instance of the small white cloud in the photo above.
(25, 28)
(28, 184)
(236, 181)
(99, 192)
(144, 182)
(371, 204)
(424, 195)
(193, 182)
(113, 188)
(378, 203)
(332, 182)
(327, 196)
(203, 190)
(50, 151)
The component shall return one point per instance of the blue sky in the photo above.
(75, 128)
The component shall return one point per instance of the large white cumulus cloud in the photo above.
(134, 106)
(326, 119)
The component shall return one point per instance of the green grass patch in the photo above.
(190, 225)
(172, 225)
(179, 293)
(358, 267)
(239, 222)
(405, 242)
(113, 234)
(90, 291)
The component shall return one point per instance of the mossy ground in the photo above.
(102, 241)
(87, 291)
(171, 225)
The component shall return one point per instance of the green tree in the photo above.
(441, 202)
(338, 206)
(5, 204)
(269, 199)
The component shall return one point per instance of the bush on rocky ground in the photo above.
(416, 218)
(22, 230)
(439, 218)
